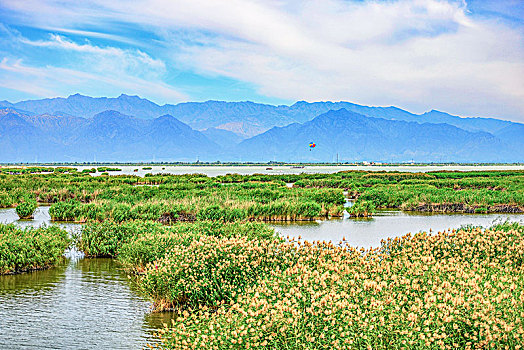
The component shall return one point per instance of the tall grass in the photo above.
(26, 209)
(30, 248)
(456, 289)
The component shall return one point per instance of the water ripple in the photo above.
(85, 304)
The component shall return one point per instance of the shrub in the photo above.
(31, 248)
(26, 209)
(65, 211)
(210, 271)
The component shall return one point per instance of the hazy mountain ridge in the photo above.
(244, 118)
(108, 136)
(356, 137)
(281, 133)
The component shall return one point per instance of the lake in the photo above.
(247, 170)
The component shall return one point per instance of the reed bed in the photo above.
(266, 197)
(210, 271)
(31, 248)
(455, 289)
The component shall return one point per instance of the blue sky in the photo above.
(463, 57)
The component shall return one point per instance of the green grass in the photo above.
(26, 209)
(31, 248)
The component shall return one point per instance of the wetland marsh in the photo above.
(205, 247)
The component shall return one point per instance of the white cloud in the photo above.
(57, 81)
(86, 68)
(416, 54)
(105, 58)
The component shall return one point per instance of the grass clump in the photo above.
(26, 209)
(210, 271)
(30, 248)
(65, 211)
(361, 209)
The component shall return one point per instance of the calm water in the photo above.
(246, 170)
(85, 304)
(369, 232)
(82, 304)
(91, 304)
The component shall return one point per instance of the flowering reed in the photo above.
(455, 289)
(210, 270)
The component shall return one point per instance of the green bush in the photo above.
(30, 248)
(26, 209)
(65, 211)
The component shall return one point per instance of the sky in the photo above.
(462, 57)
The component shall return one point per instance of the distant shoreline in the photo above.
(220, 164)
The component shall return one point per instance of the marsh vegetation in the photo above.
(30, 249)
(201, 247)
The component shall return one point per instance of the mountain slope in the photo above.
(222, 137)
(244, 118)
(173, 139)
(356, 137)
(20, 141)
(108, 136)
(513, 135)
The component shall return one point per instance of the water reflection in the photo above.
(88, 304)
(369, 232)
(32, 282)
(81, 304)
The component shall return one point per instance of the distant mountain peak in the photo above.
(111, 114)
(130, 97)
(434, 112)
(339, 113)
(300, 103)
(77, 95)
(168, 118)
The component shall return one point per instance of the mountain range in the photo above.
(130, 128)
